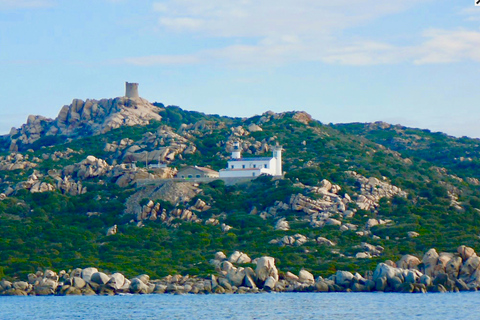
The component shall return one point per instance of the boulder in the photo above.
(306, 277)
(87, 273)
(70, 291)
(288, 240)
(426, 280)
(453, 267)
(461, 285)
(411, 277)
(99, 278)
(343, 278)
(321, 286)
(412, 234)
(385, 271)
(380, 284)
(76, 273)
(363, 255)
(325, 241)
(358, 287)
(48, 283)
(291, 277)
(220, 256)
(78, 283)
(249, 282)
(49, 274)
(117, 280)
(226, 266)
(443, 259)
(244, 258)
(395, 283)
(145, 278)
(408, 262)
(333, 222)
(266, 268)
(137, 286)
(442, 279)
(43, 291)
(15, 292)
(22, 285)
(371, 223)
(254, 128)
(269, 283)
(430, 260)
(469, 268)
(112, 230)
(282, 224)
(466, 252)
(236, 276)
(234, 256)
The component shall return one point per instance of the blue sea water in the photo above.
(251, 306)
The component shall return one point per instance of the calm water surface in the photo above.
(252, 306)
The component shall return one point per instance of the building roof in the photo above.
(240, 169)
(253, 159)
(203, 169)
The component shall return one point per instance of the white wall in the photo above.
(240, 173)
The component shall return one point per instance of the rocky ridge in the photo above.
(82, 118)
(444, 272)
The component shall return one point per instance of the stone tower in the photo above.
(131, 90)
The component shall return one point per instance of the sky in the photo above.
(410, 62)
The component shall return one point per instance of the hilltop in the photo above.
(353, 195)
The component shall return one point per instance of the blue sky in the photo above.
(411, 62)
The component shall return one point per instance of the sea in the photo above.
(344, 306)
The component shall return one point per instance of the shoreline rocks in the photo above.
(436, 272)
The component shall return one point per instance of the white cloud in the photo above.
(266, 32)
(438, 46)
(272, 18)
(25, 4)
(471, 13)
(445, 46)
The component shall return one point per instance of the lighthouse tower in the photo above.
(236, 153)
(277, 155)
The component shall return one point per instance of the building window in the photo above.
(253, 174)
(254, 165)
(232, 166)
(183, 177)
(243, 166)
(198, 176)
(265, 166)
(190, 176)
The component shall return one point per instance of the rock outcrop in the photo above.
(83, 118)
(460, 273)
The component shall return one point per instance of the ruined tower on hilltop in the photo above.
(131, 90)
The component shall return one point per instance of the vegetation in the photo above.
(54, 230)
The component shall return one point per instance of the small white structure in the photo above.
(252, 167)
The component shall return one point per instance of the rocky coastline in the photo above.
(436, 272)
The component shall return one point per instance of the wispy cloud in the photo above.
(270, 32)
(445, 46)
(471, 13)
(271, 18)
(25, 4)
(438, 46)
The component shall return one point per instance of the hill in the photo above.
(78, 191)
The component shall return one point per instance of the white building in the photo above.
(252, 167)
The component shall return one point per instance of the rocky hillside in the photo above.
(80, 191)
(81, 119)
